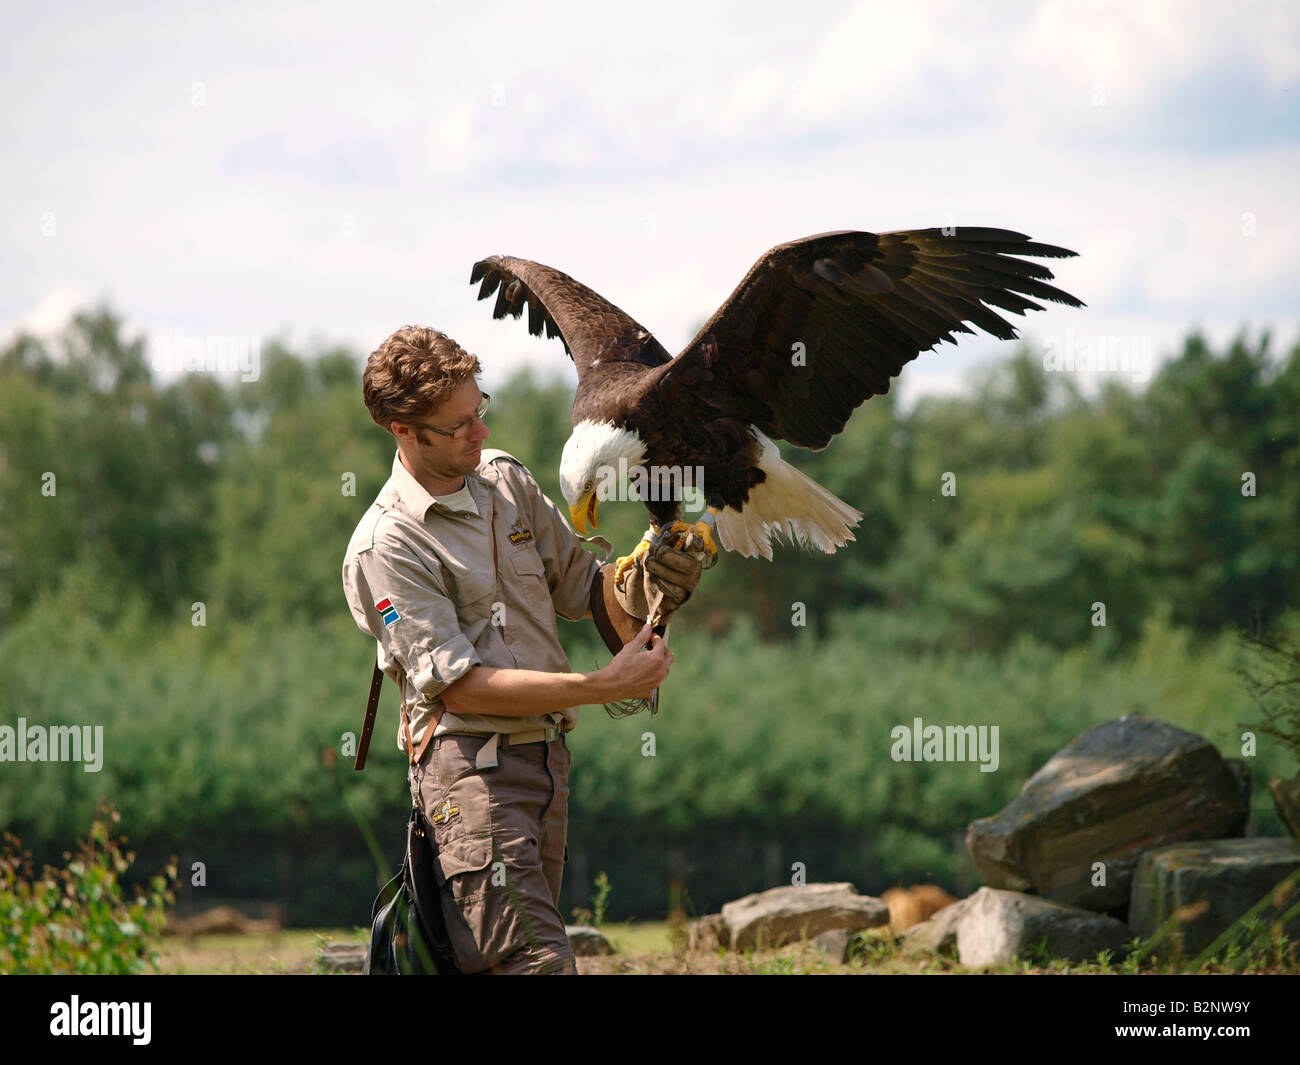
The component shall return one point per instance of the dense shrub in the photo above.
(75, 919)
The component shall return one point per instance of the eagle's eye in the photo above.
(586, 488)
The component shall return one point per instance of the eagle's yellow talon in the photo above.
(627, 562)
(699, 530)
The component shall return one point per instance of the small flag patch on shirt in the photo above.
(387, 611)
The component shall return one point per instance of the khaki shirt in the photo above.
(419, 578)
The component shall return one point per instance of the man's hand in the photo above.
(639, 668)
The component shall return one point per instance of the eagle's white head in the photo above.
(590, 466)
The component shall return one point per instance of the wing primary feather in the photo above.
(502, 307)
(1011, 301)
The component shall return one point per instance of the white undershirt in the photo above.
(462, 500)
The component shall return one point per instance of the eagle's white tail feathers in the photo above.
(788, 502)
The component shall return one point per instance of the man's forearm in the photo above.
(523, 692)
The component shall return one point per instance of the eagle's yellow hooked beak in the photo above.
(584, 514)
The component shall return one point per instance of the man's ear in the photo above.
(404, 433)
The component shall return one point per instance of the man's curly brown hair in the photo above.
(412, 373)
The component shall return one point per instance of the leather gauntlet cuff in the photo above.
(615, 625)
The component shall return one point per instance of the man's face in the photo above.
(441, 455)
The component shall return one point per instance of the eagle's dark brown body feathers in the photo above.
(816, 327)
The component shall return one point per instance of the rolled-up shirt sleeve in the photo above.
(408, 611)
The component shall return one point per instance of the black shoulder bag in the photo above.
(408, 934)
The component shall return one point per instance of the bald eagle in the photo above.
(817, 327)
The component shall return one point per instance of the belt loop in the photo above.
(487, 754)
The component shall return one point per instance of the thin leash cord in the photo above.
(627, 707)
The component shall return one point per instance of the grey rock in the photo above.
(587, 941)
(1113, 792)
(938, 935)
(1209, 884)
(709, 932)
(784, 915)
(995, 926)
(834, 944)
(342, 957)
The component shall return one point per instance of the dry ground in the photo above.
(641, 949)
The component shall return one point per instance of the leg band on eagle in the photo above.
(691, 538)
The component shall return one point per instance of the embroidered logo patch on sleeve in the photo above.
(387, 611)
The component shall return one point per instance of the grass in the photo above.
(291, 951)
(652, 948)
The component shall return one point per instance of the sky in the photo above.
(326, 173)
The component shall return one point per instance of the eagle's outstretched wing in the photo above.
(861, 305)
(589, 325)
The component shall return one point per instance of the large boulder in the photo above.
(1113, 792)
(993, 927)
(1206, 886)
(784, 915)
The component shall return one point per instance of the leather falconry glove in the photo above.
(663, 577)
(660, 582)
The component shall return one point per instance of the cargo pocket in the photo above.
(469, 854)
(461, 819)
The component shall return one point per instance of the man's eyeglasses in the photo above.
(459, 432)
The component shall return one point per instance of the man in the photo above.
(458, 570)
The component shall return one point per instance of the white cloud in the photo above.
(452, 141)
(50, 314)
(882, 58)
(653, 159)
